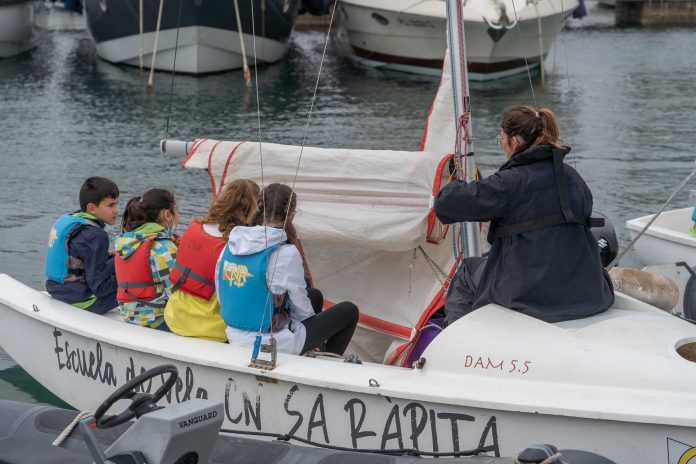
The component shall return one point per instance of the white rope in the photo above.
(247, 74)
(154, 46)
(541, 45)
(555, 459)
(68, 430)
(140, 55)
(526, 63)
(659, 211)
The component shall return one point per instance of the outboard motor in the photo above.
(606, 239)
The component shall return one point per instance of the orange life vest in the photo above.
(194, 271)
(134, 276)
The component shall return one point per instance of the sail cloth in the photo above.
(365, 218)
(374, 199)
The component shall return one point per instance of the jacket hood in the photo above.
(129, 242)
(245, 240)
(533, 154)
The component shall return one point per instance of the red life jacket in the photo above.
(194, 271)
(134, 276)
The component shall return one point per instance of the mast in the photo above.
(463, 145)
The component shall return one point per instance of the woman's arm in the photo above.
(474, 201)
(286, 273)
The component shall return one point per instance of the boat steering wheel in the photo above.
(141, 403)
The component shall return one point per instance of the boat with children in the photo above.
(615, 383)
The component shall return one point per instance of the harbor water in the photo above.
(625, 100)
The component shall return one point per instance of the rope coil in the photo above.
(71, 426)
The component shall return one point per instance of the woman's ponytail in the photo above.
(535, 126)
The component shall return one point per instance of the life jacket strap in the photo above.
(566, 216)
(126, 285)
(186, 272)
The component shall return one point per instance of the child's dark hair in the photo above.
(146, 208)
(276, 201)
(95, 189)
(234, 206)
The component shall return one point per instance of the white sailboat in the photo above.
(16, 27)
(409, 35)
(617, 384)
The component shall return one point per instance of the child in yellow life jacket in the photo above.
(193, 309)
(145, 255)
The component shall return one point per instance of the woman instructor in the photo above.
(544, 261)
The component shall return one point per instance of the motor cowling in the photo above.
(606, 239)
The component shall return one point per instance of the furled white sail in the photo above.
(366, 220)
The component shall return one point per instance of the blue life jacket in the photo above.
(693, 214)
(57, 257)
(246, 303)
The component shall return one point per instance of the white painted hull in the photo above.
(201, 50)
(54, 18)
(450, 404)
(667, 240)
(412, 39)
(16, 29)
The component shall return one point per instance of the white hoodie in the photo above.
(284, 273)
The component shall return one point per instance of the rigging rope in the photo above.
(154, 47)
(309, 117)
(176, 48)
(526, 63)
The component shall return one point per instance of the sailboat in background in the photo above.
(16, 27)
(492, 382)
(503, 37)
(206, 36)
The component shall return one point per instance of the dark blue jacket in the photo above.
(553, 273)
(90, 245)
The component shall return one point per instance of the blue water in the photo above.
(625, 100)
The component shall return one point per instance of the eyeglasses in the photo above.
(499, 139)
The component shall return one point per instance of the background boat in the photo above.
(407, 35)
(667, 240)
(59, 15)
(208, 38)
(16, 27)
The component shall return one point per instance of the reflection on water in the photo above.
(624, 98)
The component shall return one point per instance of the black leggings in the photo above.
(335, 326)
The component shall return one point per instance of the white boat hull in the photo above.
(53, 17)
(667, 240)
(16, 29)
(201, 50)
(366, 406)
(414, 39)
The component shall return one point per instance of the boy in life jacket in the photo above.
(260, 282)
(145, 255)
(193, 309)
(79, 269)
